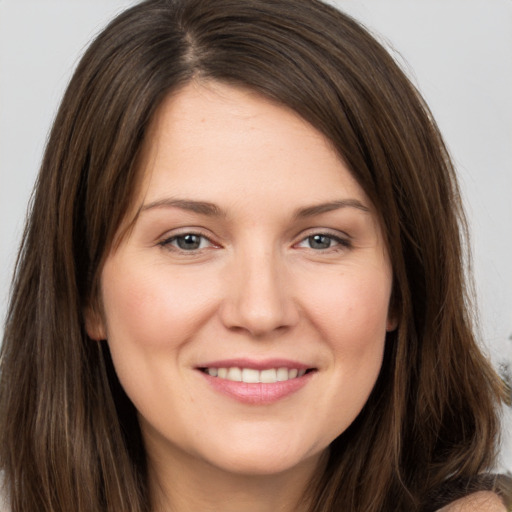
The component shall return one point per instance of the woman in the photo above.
(241, 283)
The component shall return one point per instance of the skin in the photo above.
(484, 501)
(258, 286)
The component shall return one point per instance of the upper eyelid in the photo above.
(334, 233)
(186, 230)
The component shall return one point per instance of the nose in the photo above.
(259, 298)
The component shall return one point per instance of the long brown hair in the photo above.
(69, 435)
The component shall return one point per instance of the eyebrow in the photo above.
(311, 211)
(201, 207)
(210, 209)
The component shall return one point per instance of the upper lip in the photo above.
(263, 364)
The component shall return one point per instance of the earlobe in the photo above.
(392, 323)
(94, 324)
(393, 318)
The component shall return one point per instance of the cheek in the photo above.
(153, 308)
(351, 314)
(351, 309)
(151, 315)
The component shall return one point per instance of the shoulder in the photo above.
(482, 501)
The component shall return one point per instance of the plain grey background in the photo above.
(458, 53)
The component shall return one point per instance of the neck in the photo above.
(191, 485)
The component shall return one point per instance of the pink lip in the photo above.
(257, 393)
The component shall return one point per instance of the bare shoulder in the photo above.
(483, 501)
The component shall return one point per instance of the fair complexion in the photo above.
(253, 255)
(484, 501)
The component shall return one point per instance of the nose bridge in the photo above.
(259, 299)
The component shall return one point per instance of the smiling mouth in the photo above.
(254, 376)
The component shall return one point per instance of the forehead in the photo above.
(237, 142)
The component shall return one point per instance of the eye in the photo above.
(322, 241)
(187, 242)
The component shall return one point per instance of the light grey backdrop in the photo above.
(458, 52)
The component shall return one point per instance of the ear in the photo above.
(392, 322)
(94, 324)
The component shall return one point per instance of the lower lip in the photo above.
(258, 393)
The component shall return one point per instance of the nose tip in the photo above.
(260, 317)
(259, 301)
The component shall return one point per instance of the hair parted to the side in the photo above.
(69, 436)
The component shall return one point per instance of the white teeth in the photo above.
(268, 376)
(249, 375)
(235, 374)
(253, 376)
(285, 374)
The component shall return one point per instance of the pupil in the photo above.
(319, 242)
(189, 242)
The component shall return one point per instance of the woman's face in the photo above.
(247, 308)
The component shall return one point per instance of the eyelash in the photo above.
(168, 242)
(340, 242)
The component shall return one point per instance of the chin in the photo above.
(264, 462)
